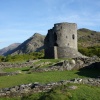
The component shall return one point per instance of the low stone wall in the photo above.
(16, 65)
(8, 74)
(36, 87)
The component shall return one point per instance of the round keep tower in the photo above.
(65, 35)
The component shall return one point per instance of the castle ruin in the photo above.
(61, 41)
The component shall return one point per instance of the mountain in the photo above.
(88, 38)
(34, 43)
(6, 50)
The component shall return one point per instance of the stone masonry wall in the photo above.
(66, 34)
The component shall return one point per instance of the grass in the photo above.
(8, 98)
(46, 77)
(85, 92)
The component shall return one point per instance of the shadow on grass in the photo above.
(92, 71)
(26, 69)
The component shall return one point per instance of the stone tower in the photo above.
(61, 41)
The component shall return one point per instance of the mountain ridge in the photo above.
(9, 48)
(34, 43)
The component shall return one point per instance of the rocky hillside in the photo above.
(7, 50)
(88, 38)
(34, 43)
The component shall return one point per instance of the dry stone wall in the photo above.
(16, 65)
(36, 87)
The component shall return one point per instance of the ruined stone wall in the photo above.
(66, 52)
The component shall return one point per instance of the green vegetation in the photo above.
(90, 51)
(23, 57)
(9, 98)
(82, 92)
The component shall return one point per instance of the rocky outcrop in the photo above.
(72, 64)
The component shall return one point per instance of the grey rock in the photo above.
(85, 81)
(13, 90)
(73, 87)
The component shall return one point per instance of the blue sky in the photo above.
(20, 19)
